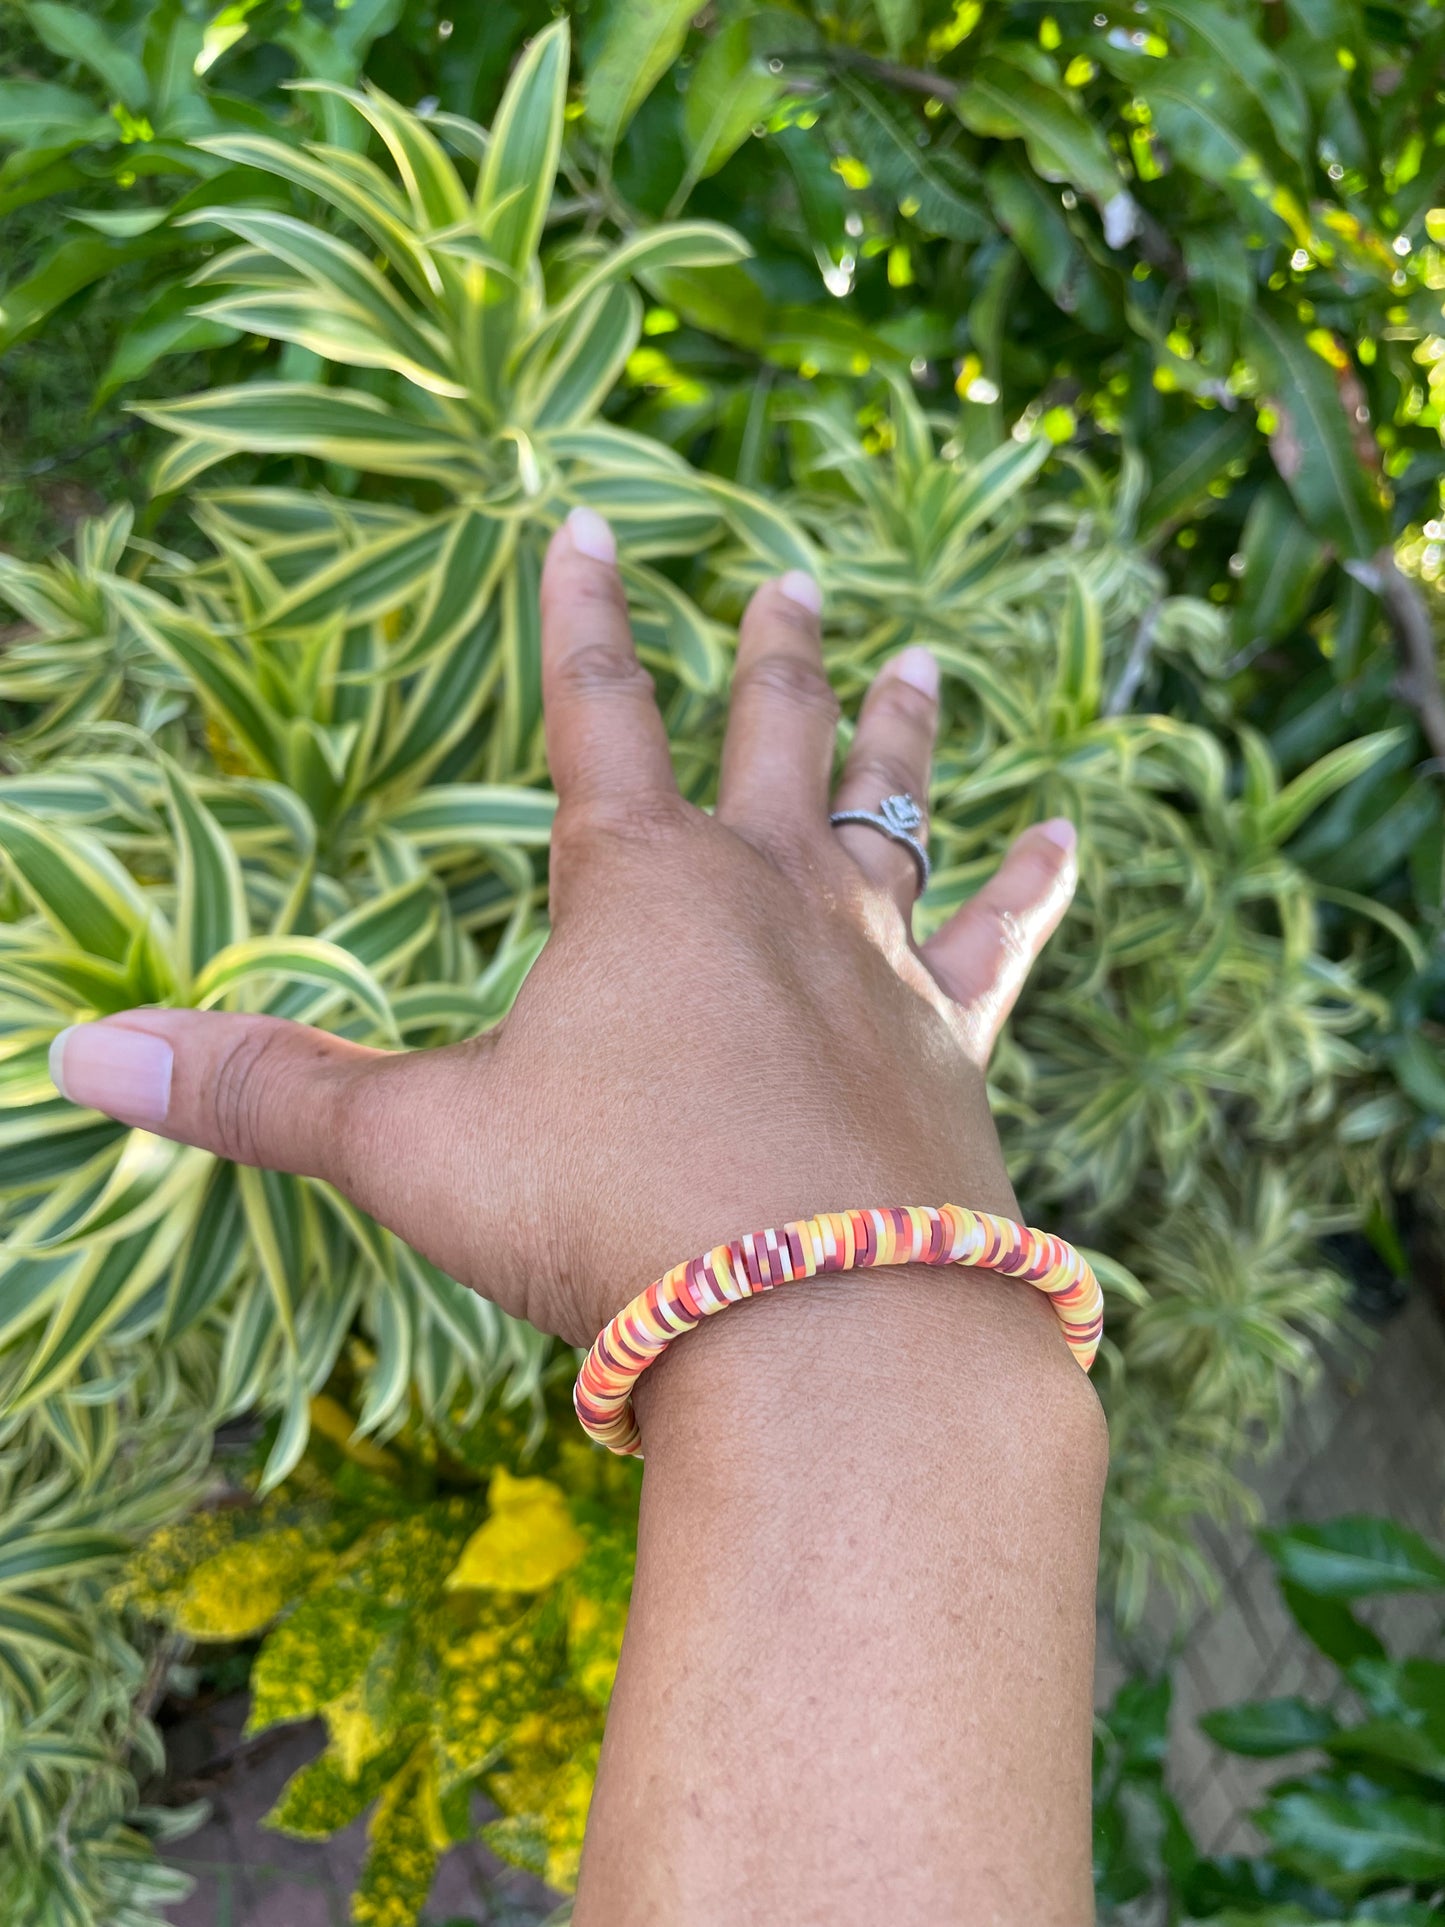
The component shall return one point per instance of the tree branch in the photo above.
(51, 462)
(912, 80)
(1418, 683)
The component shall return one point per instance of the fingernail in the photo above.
(104, 1067)
(592, 535)
(798, 586)
(918, 667)
(1060, 830)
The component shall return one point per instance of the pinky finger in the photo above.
(982, 956)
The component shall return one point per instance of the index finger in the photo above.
(605, 740)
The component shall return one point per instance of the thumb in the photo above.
(389, 1129)
(985, 951)
(257, 1090)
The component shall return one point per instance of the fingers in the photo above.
(606, 745)
(982, 956)
(891, 756)
(778, 751)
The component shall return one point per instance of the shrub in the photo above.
(455, 1623)
(289, 758)
(1357, 1834)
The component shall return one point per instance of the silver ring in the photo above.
(898, 817)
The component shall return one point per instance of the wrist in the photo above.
(874, 1355)
(684, 1222)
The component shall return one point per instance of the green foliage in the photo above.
(453, 1641)
(273, 742)
(1357, 1831)
(79, 1679)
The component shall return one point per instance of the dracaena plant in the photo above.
(119, 1453)
(117, 1244)
(75, 660)
(133, 877)
(477, 364)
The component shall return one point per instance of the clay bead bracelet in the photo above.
(833, 1241)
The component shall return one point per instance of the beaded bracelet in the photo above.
(833, 1241)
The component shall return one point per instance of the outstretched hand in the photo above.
(730, 1025)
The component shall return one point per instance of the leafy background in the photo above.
(1093, 349)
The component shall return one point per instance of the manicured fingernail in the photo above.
(798, 586)
(104, 1067)
(1060, 830)
(918, 667)
(592, 535)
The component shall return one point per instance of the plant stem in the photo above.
(1418, 683)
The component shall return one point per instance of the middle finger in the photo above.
(778, 750)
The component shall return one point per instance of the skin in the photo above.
(856, 1681)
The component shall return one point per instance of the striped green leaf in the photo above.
(45, 1629)
(1301, 798)
(353, 185)
(222, 680)
(151, 1179)
(763, 526)
(477, 550)
(211, 910)
(328, 327)
(291, 1434)
(679, 244)
(31, 1559)
(514, 188)
(369, 580)
(1074, 699)
(670, 622)
(75, 883)
(110, 1279)
(575, 379)
(441, 708)
(254, 1334)
(998, 479)
(464, 815)
(274, 1216)
(433, 188)
(298, 418)
(340, 273)
(262, 962)
(209, 1259)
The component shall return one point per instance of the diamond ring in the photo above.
(899, 818)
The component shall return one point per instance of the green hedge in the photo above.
(274, 742)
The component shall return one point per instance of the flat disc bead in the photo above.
(834, 1241)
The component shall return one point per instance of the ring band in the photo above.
(898, 817)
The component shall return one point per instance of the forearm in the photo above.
(857, 1679)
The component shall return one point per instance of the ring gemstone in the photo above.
(901, 813)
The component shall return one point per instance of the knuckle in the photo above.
(247, 1079)
(898, 701)
(1010, 934)
(601, 669)
(881, 770)
(596, 593)
(589, 821)
(794, 680)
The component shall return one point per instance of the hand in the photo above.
(729, 1027)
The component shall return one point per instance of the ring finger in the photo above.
(891, 756)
